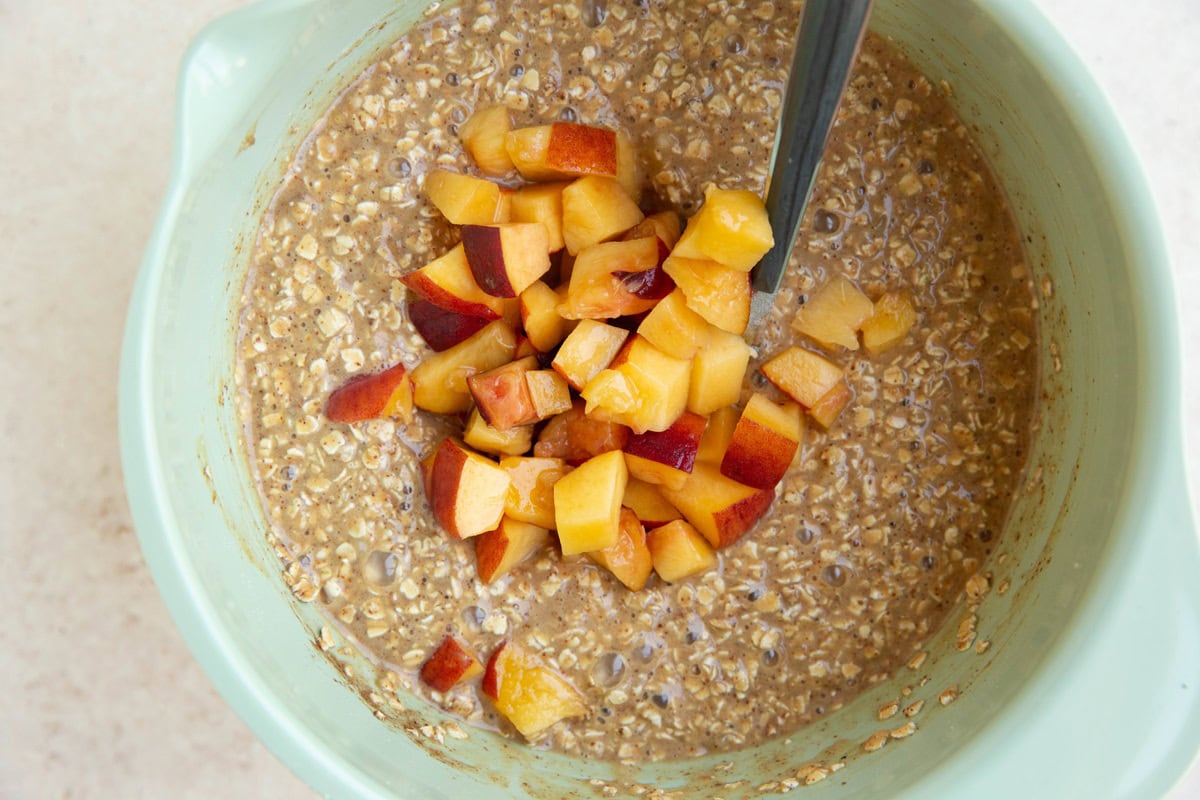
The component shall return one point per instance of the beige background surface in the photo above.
(102, 700)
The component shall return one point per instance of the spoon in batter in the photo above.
(828, 39)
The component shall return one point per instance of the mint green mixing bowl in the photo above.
(1090, 685)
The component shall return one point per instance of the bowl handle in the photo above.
(225, 71)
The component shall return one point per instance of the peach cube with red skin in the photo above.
(531, 492)
(718, 369)
(587, 503)
(803, 375)
(719, 507)
(511, 542)
(483, 437)
(466, 200)
(587, 350)
(502, 395)
(764, 442)
(582, 149)
(892, 316)
(567, 150)
(484, 136)
(448, 283)
(678, 551)
(628, 559)
(643, 388)
(529, 150)
(563, 150)
(834, 313)
(440, 381)
(666, 457)
(450, 664)
(613, 279)
(506, 259)
(527, 692)
(645, 500)
(542, 203)
(383, 394)
(596, 209)
(466, 491)
(731, 228)
(716, 292)
(440, 327)
(575, 437)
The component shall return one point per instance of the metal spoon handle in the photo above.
(829, 36)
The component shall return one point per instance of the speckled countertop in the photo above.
(103, 699)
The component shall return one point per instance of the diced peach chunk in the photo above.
(587, 503)
(718, 369)
(502, 395)
(582, 149)
(440, 381)
(596, 209)
(531, 494)
(678, 551)
(465, 200)
(565, 150)
(483, 135)
(527, 692)
(834, 313)
(514, 441)
(383, 394)
(717, 435)
(587, 350)
(610, 279)
(666, 457)
(549, 392)
(450, 664)
(645, 500)
(544, 326)
(575, 437)
(504, 209)
(643, 388)
(466, 491)
(447, 282)
(527, 147)
(629, 558)
(525, 348)
(731, 228)
(831, 404)
(629, 173)
(664, 225)
(506, 259)
(764, 442)
(716, 292)
(720, 508)
(542, 203)
(511, 542)
(805, 376)
(440, 327)
(891, 318)
(674, 328)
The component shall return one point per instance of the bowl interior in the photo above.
(202, 527)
